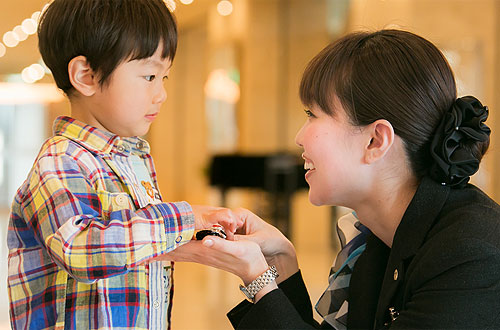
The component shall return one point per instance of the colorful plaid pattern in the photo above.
(81, 233)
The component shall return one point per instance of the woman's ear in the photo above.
(82, 77)
(381, 138)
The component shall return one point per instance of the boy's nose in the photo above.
(161, 96)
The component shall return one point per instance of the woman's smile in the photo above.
(308, 166)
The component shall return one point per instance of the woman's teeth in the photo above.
(308, 166)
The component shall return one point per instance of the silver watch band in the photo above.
(264, 279)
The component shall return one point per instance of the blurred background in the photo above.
(225, 135)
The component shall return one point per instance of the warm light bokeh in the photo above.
(269, 43)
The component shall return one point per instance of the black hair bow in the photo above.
(461, 126)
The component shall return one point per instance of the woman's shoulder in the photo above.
(468, 218)
(464, 239)
(471, 207)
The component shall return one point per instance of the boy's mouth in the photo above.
(152, 116)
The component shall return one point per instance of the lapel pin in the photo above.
(393, 313)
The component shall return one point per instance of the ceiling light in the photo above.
(39, 70)
(28, 75)
(9, 39)
(186, 2)
(29, 26)
(21, 35)
(36, 16)
(19, 93)
(170, 4)
(2, 50)
(225, 7)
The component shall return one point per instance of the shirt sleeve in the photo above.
(94, 234)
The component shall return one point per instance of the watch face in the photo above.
(214, 231)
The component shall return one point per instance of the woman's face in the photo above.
(333, 154)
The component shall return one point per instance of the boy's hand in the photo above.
(207, 216)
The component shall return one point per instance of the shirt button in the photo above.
(120, 148)
(140, 145)
(396, 275)
(156, 304)
(178, 239)
(121, 200)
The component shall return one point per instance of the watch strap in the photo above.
(256, 285)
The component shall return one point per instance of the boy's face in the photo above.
(131, 100)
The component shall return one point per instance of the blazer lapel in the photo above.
(366, 280)
(393, 277)
(410, 235)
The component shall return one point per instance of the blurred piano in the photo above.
(279, 175)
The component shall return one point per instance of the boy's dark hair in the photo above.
(106, 32)
(388, 74)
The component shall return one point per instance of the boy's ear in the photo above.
(381, 137)
(82, 77)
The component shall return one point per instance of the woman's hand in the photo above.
(207, 216)
(242, 258)
(256, 245)
(275, 247)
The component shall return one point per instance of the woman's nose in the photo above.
(298, 137)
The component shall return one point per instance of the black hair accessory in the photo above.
(462, 125)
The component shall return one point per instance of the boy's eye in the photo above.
(309, 113)
(150, 78)
(165, 78)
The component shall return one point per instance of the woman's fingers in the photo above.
(222, 216)
(222, 246)
(242, 258)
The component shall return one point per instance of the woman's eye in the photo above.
(309, 113)
(150, 78)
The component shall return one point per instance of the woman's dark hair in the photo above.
(392, 75)
(106, 32)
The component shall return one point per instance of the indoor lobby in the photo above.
(226, 133)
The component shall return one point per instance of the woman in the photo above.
(387, 137)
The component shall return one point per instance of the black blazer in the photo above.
(443, 272)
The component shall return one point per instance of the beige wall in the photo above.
(468, 27)
(178, 136)
(495, 71)
(273, 40)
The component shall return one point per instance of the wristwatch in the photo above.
(264, 279)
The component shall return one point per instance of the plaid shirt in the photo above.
(82, 230)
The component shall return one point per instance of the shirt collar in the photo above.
(97, 140)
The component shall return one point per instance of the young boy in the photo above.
(88, 222)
